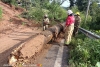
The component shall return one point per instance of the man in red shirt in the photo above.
(69, 27)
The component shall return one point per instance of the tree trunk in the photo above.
(35, 44)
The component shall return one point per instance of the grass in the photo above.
(23, 23)
(0, 13)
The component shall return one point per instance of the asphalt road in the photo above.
(57, 56)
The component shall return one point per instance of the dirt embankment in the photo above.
(7, 23)
(11, 20)
(13, 32)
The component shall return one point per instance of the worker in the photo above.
(69, 27)
(77, 23)
(45, 22)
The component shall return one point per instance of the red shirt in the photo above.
(70, 20)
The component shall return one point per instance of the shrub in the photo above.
(37, 14)
(33, 13)
(85, 52)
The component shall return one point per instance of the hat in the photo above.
(45, 15)
(69, 12)
(77, 13)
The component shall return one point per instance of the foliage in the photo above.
(85, 52)
(96, 31)
(75, 9)
(57, 13)
(82, 4)
(13, 2)
(54, 11)
(26, 4)
(72, 2)
(35, 9)
(95, 13)
(93, 20)
(86, 24)
(0, 12)
(59, 2)
(82, 15)
(33, 13)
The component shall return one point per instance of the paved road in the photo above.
(57, 56)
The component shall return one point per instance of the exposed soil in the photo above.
(14, 30)
(38, 58)
(11, 20)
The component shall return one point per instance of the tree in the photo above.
(41, 7)
(60, 2)
(82, 4)
(72, 2)
(95, 13)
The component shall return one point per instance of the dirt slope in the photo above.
(12, 31)
(8, 13)
(11, 20)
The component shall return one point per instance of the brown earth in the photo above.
(11, 20)
(13, 32)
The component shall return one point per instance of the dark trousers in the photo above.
(75, 32)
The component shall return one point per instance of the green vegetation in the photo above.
(0, 12)
(93, 14)
(96, 31)
(13, 2)
(85, 52)
(38, 9)
(23, 23)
